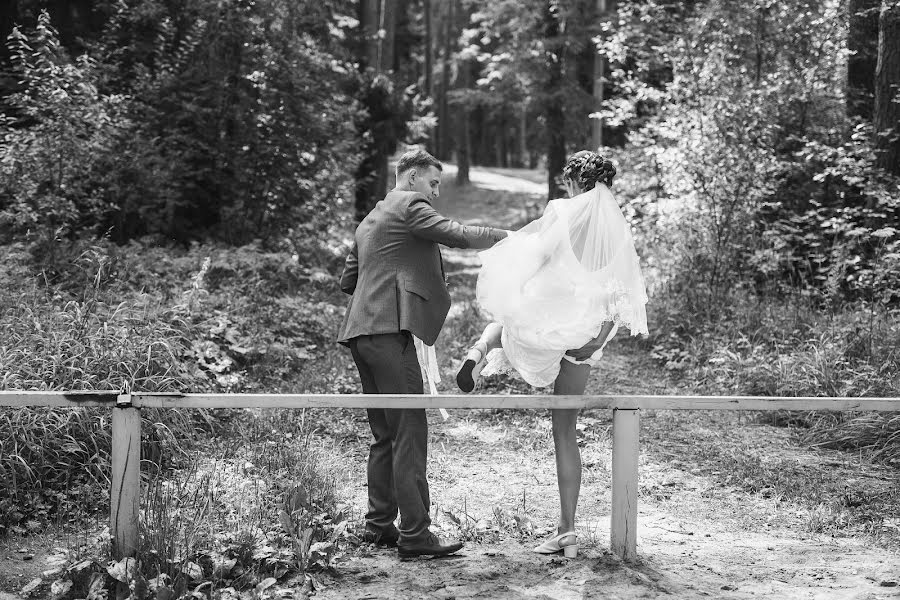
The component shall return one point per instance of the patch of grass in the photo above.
(266, 507)
(208, 318)
(254, 514)
(838, 497)
(490, 529)
(57, 460)
(791, 348)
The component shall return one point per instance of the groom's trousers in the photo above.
(387, 364)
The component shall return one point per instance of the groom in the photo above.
(396, 277)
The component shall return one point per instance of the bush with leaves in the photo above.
(203, 118)
(243, 121)
(65, 129)
(769, 236)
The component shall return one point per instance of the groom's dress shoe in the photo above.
(386, 537)
(429, 545)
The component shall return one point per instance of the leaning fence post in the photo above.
(124, 497)
(625, 449)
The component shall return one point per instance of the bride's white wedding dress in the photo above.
(555, 282)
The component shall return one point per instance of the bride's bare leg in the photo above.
(490, 338)
(572, 381)
(468, 373)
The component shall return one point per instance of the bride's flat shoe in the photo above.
(471, 369)
(567, 543)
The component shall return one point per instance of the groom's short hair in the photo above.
(417, 159)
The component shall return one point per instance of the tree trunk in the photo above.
(862, 41)
(444, 139)
(428, 84)
(464, 147)
(386, 33)
(388, 24)
(556, 120)
(523, 136)
(504, 143)
(368, 19)
(599, 75)
(377, 54)
(887, 88)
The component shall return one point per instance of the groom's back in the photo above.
(400, 284)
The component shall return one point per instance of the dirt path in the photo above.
(699, 536)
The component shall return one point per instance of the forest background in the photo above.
(179, 179)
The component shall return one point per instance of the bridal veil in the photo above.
(555, 282)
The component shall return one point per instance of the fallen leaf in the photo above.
(31, 586)
(193, 571)
(97, 590)
(123, 570)
(265, 584)
(60, 588)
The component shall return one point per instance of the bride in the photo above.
(558, 290)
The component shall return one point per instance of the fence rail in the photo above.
(126, 433)
(170, 400)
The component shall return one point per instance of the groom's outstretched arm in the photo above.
(351, 271)
(425, 222)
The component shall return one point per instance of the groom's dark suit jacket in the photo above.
(394, 271)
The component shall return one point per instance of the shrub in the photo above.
(66, 128)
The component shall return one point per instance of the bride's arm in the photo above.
(595, 344)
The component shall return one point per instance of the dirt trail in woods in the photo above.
(493, 482)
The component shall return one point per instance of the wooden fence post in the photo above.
(124, 497)
(625, 449)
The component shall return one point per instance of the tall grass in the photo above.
(83, 338)
(161, 319)
(764, 346)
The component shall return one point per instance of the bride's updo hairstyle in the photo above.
(587, 169)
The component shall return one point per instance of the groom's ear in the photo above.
(412, 175)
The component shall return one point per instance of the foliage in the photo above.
(242, 109)
(534, 58)
(182, 120)
(160, 319)
(827, 492)
(718, 117)
(769, 237)
(65, 131)
(80, 339)
(267, 510)
(252, 514)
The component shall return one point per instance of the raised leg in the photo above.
(468, 372)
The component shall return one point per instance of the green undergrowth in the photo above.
(834, 493)
(202, 319)
(793, 348)
(255, 512)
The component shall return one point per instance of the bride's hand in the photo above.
(588, 350)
